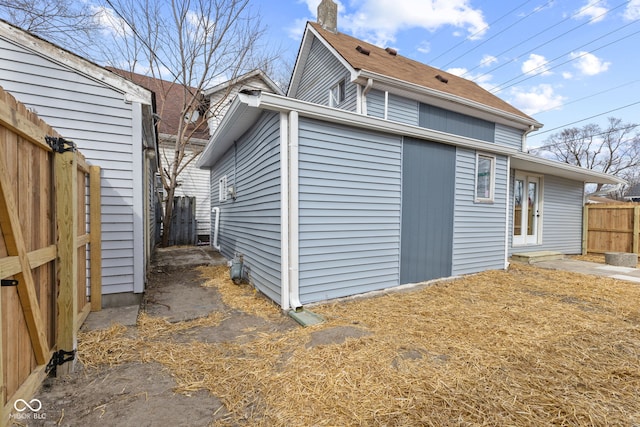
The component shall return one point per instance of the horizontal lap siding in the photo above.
(375, 104)
(321, 71)
(349, 189)
(250, 225)
(402, 110)
(479, 228)
(508, 136)
(99, 121)
(561, 215)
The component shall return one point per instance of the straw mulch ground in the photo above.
(527, 347)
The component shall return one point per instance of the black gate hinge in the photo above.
(58, 358)
(59, 144)
(9, 282)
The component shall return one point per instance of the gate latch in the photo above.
(9, 282)
(59, 144)
(58, 358)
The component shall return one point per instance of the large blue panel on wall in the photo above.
(428, 188)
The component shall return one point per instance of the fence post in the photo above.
(636, 228)
(95, 233)
(66, 193)
(585, 229)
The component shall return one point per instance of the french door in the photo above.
(526, 210)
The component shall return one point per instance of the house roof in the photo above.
(633, 191)
(53, 52)
(170, 98)
(243, 78)
(247, 107)
(386, 67)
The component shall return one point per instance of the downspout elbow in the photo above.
(524, 137)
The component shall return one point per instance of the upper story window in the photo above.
(337, 93)
(485, 178)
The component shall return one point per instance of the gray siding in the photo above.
(562, 203)
(479, 228)
(508, 136)
(97, 118)
(428, 187)
(250, 225)
(402, 110)
(349, 210)
(321, 71)
(375, 104)
(455, 123)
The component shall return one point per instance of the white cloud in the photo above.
(632, 12)
(536, 64)
(487, 60)
(482, 80)
(589, 64)
(424, 47)
(567, 75)
(594, 9)
(536, 99)
(378, 23)
(110, 22)
(296, 29)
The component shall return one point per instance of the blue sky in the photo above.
(564, 62)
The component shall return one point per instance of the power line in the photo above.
(543, 68)
(544, 43)
(480, 31)
(536, 10)
(544, 147)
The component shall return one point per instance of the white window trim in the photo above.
(333, 102)
(222, 189)
(492, 184)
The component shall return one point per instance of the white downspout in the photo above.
(363, 99)
(294, 272)
(524, 137)
(216, 227)
(506, 222)
(284, 211)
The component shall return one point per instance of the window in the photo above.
(485, 178)
(336, 94)
(222, 189)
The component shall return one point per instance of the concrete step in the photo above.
(536, 256)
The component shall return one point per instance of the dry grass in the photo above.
(526, 347)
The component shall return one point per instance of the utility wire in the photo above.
(536, 10)
(544, 67)
(544, 147)
(480, 31)
(542, 44)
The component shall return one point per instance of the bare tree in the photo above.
(191, 45)
(614, 150)
(70, 24)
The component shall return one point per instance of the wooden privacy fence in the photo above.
(611, 228)
(46, 188)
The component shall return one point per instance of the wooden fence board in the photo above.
(612, 228)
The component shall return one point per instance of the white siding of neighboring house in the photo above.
(103, 125)
(193, 182)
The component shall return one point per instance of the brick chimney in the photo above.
(328, 15)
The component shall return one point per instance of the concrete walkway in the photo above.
(593, 268)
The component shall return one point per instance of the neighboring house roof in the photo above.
(132, 91)
(603, 200)
(241, 80)
(247, 107)
(170, 99)
(386, 68)
(632, 192)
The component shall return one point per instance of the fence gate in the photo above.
(183, 222)
(46, 232)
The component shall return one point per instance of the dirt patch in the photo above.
(526, 347)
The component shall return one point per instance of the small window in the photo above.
(337, 93)
(485, 178)
(222, 189)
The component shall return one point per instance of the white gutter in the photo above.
(284, 211)
(506, 218)
(216, 226)
(524, 137)
(294, 248)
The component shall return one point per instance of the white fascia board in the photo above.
(444, 100)
(255, 73)
(530, 163)
(241, 115)
(132, 92)
(303, 54)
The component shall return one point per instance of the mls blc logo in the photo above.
(34, 406)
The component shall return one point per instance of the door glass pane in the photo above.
(517, 208)
(533, 208)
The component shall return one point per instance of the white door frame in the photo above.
(527, 229)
